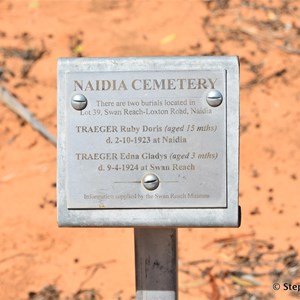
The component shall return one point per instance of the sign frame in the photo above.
(228, 216)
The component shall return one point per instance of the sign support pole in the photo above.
(156, 263)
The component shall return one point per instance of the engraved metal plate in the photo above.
(148, 141)
(138, 123)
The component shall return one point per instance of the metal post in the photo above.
(156, 263)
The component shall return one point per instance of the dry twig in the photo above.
(13, 103)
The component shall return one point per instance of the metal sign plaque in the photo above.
(144, 134)
(141, 123)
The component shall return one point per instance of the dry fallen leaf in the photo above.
(272, 16)
(168, 39)
(245, 280)
(34, 4)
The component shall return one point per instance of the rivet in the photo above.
(150, 182)
(79, 102)
(214, 98)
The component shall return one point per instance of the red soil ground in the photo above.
(34, 252)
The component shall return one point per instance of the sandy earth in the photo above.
(99, 263)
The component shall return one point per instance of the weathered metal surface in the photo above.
(156, 263)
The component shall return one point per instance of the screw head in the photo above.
(79, 102)
(214, 98)
(150, 182)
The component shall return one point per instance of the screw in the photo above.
(150, 182)
(214, 98)
(79, 102)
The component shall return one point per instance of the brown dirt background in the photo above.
(35, 253)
